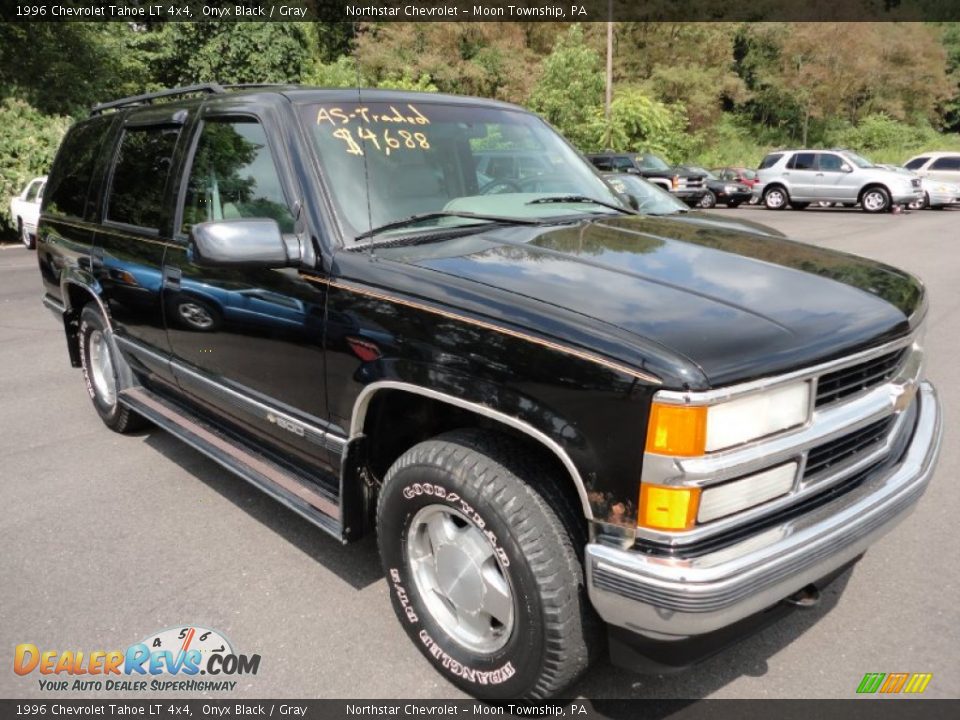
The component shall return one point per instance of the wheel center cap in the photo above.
(459, 578)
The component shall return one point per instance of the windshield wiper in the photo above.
(582, 199)
(422, 217)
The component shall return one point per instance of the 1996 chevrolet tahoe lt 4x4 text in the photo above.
(566, 422)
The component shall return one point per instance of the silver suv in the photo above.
(800, 177)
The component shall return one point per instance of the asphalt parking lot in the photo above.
(108, 539)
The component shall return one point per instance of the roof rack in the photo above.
(248, 86)
(212, 88)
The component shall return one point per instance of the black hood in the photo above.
(736, 304)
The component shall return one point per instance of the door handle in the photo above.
(819, 174)
(171, 277)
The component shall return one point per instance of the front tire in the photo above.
(480, 553)
(875, 200)
(776, 198)
(100, 373)
(28, 240)
(708, 201)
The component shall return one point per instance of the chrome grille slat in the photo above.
(848, 381)
(848, 447)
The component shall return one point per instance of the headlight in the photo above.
(729, 189)
(690, 430)
(678, 430)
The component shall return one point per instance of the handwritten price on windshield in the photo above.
(385, 142)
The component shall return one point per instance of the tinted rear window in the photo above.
(69, 182)
(770, 160)
(140, 176)
(916, 163)
(946, 163)
(803, 161)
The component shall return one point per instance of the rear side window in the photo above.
(69, 183)
(770, 160)
(916, 163)
(602, 163)
(140, 176)
(946, 163)
(803, 161)
(623, 163)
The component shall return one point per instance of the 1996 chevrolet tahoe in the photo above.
(570, 425)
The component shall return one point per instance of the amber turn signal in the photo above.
(679, 430)
(668, 508)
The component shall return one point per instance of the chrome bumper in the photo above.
(670, 598)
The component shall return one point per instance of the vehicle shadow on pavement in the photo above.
(357, 564)
(746, 658)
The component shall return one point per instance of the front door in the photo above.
(247, 342)
(833, 183)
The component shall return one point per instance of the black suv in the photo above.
(559, 416)
(688, 185)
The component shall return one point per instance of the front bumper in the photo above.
(905, 197)
(673, 598)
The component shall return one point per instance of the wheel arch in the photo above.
(360, 423)
(76, 294)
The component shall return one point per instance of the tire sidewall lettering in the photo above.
(419, 489)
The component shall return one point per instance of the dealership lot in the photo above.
(109, 539)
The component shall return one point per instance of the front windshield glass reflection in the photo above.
(392, 161)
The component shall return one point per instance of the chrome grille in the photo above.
(847, 447)
(851, 380)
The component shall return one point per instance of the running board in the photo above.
(298, 494)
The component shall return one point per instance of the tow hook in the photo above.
(807, 597)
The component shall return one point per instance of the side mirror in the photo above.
(633, 171)
(254, 242)
(846, 168)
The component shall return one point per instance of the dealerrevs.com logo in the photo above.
(171, 659)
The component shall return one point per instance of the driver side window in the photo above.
(831, 163)
(234, 176)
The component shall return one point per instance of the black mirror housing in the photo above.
(248, 242)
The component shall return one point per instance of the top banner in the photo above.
(146, 11)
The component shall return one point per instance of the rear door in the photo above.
(801, 174)
(135, 232)
(248, 342)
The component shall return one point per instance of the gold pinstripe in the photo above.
(590, 357)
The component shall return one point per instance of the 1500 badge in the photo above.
(286, 424)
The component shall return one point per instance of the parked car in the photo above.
(937, 194)
(562, 419)
(687, 185)
(25, 210)
(652, 200)
(721, 192)
(943, 166)
(797, 178)
(742, 175)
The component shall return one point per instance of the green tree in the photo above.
(570, 88)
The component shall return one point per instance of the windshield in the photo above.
(650, 199)
(651, 162)
(387, 162)
(860, 162)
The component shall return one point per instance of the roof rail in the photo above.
(248, 86)
(212, 88)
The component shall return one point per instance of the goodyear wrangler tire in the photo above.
(480, 554)
(100, 373)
